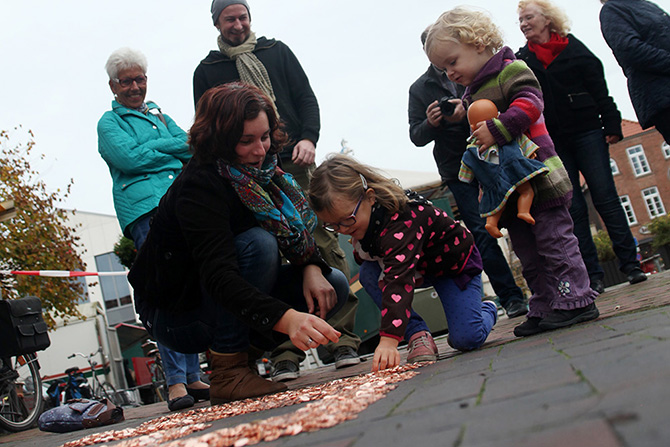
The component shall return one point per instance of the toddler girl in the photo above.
(414, 243)
(468, 46)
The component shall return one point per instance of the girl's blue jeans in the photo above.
(469, 319)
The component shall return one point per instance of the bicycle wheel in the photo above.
(21, 401)
(110, 393)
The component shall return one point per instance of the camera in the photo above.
(447, 108)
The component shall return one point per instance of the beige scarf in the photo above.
(251, 69)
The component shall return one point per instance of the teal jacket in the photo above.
(144, 156)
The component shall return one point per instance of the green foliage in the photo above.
(125, 250)
(660, 228)
(604, 246)
(38, 238)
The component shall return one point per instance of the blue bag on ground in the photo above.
(80, 413)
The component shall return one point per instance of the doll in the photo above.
(499, 184)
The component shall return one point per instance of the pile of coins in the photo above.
(330, 404)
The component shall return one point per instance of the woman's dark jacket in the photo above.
(638, 32)
(575, 93)
(192, 244)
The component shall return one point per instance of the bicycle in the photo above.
(155, 366)
(21, 401)
(99, 390)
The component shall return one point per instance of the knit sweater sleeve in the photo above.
(465, 174)
(524, 95)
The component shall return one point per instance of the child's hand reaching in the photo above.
(483, 137)
(386, 354)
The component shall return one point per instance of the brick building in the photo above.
(641, 167)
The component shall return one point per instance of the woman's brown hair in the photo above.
(220, 117)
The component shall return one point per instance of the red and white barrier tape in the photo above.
(59, 273)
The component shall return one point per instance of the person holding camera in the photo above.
(437, 114)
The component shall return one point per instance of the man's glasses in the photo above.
(351, 220)
(127, 82)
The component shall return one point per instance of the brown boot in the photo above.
(232, 379)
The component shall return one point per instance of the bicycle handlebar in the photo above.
(87, 357)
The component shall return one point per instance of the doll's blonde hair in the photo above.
(464, 26)
(559, 22)
(343, 176)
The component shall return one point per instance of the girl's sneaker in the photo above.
(421, 348)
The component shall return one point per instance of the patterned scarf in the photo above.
(251, 69)
(278, 203)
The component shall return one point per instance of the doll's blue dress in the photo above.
(499, 171)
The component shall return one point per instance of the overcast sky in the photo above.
(361, 57)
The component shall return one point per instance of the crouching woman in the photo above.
(209, 275)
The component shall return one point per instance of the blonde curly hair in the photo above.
(559, 22)
(464, 26)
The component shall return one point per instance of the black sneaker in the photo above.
(598, 285)
(529, 327)
(636, 275)
(285, 370)
(516, 309)
(346, 356)
(563, 318)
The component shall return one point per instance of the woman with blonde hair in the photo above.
(582, 120)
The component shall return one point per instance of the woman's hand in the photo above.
(386, 354)
(306, 331)
(316, 287)
(612, 139)
(483, 137)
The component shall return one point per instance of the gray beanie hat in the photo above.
(219, 5)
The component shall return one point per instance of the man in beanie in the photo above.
(271, 66)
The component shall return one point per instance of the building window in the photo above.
(665, 147)
(638, 160)
(628, 208)
(115, 289)
(614, 167)
(654, 203)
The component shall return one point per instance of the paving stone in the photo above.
(530, 412)
(611, 369)
(619, 342)
(639, 414)
(457, 393)
(592, 433)
(545, 374)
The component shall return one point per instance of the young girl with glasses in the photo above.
(410, 243)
